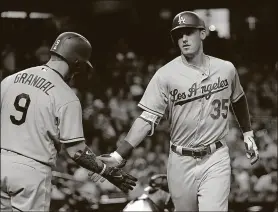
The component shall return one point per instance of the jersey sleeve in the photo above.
(237, 90)
(155, 98)
(70, 122)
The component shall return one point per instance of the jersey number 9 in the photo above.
(22, 109)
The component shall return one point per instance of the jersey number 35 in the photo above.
(220, 108)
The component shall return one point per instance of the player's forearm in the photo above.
(138, 132)
(241, 112)
(84, 156)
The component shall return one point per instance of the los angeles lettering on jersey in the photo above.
(35, 81)
(181, 98)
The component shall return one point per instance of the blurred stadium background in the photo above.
(130, 42)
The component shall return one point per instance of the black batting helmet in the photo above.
(74, 48)
(187, 19)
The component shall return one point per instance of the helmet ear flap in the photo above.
(77, 63)
(79, 66)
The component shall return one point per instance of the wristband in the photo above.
(103, 170)
(249, 133)
(87, 159)
(117, 156)
(125, 149)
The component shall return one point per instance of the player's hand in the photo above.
(96, 177)
(117, 177)
(252, 152)
(108, 160)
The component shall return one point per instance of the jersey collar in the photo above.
(55, 71)
(201, 70)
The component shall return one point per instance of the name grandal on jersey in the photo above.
(35, 81)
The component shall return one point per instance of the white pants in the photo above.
(200, 184)
(25, 183)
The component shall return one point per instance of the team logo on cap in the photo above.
(181, 20)
(56, 44)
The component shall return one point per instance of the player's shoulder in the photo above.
(60, 93)
(6, 79)
(64, 94)
(223, 64)
(167, 68)
(30, 69)
(11, 77)
(174, 62)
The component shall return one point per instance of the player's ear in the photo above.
(203, 34)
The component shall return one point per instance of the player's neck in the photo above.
(60, 66)
(198, 60)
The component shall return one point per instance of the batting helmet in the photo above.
(74, 49)
(187, 19)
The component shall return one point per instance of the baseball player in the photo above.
(198, 90)
(39, 113)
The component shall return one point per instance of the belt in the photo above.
(197, 153)
(16, 153)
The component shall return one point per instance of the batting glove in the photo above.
(112, 160)
(252, 152)
(116, 176)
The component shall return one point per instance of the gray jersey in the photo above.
(198, 103)
(33, 101)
